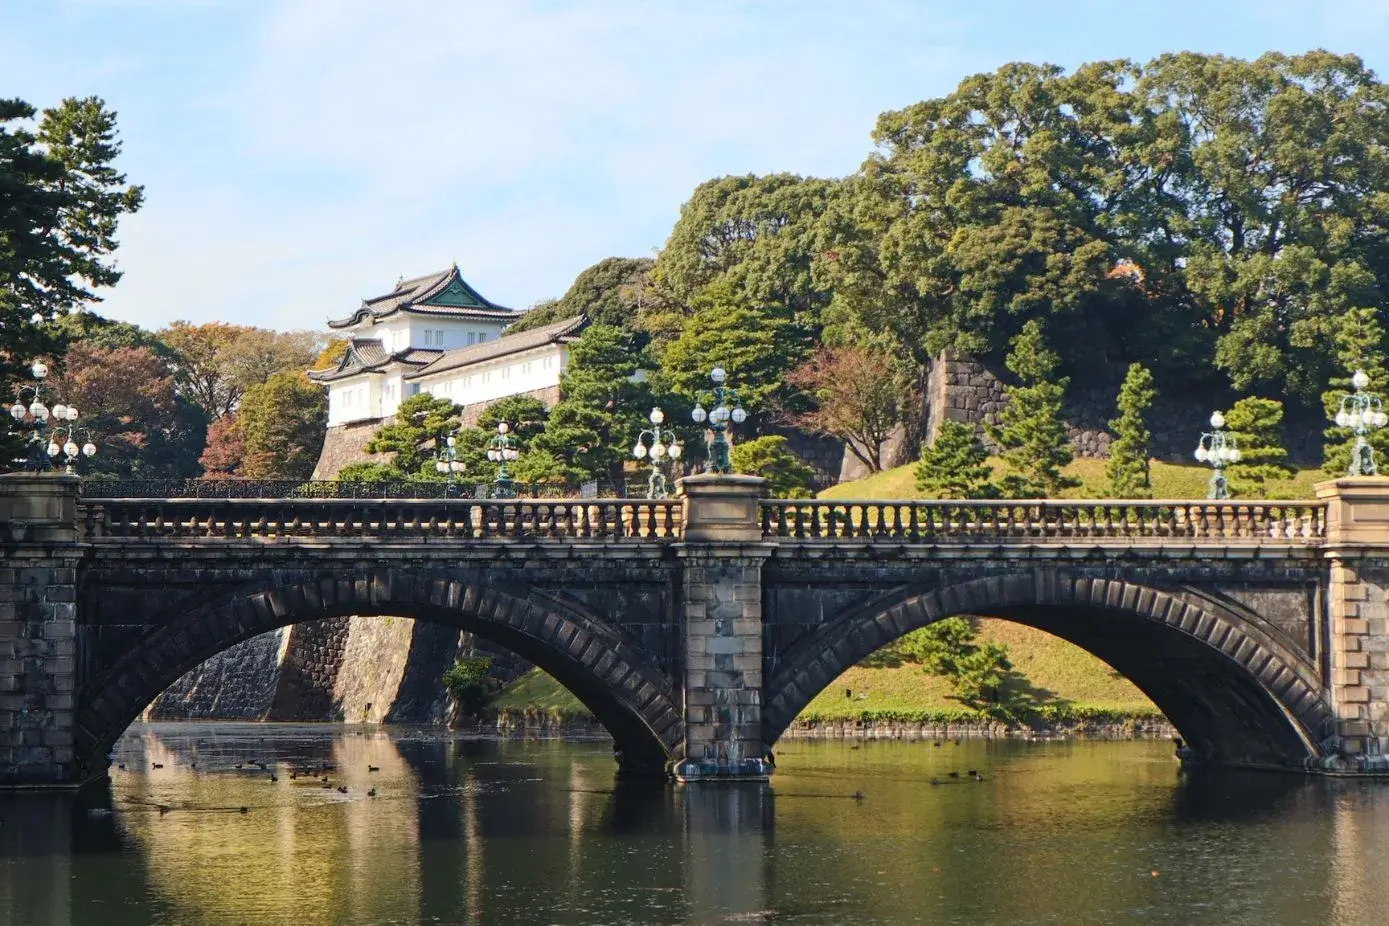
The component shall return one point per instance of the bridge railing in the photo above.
(965, 521)
(400, 519)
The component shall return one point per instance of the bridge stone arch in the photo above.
(628, 693)
(1237, 693)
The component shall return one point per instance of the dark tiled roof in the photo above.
(556, 332)
(412, 296)
(367, 355)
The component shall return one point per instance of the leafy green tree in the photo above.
(1359, 345)
(1030, 430)
(1257, 425)
(468, 681)
(757, 349)
(758, 237)
(92, 329)
(282, 422)
(1127, 467)
(610, 293)
(603, 405)
(956, 465)
(61, 203)
(770, 458)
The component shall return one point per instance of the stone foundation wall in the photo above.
(962, 389)
(352, 669)
(237, 684)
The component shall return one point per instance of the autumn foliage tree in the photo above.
(859, 399)
(215, 363)
(126, 398)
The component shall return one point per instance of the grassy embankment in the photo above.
(1069, 682)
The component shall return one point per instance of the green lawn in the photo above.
(1170, 480)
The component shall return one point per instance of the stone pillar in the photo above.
(39, 553)
(1357, 549)
(721, 609)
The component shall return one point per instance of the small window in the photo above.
(472, 337)
(482, 336)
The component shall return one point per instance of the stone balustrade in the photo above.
(967, 521)
(402, 519)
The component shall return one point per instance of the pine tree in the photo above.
(420, 419)
(1256, 425)
(1030, 430)
(603, 405)
(1359, 345)
(956, 465)
(769, 457)
(1127, 467)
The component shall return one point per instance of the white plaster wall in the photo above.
(506, 376)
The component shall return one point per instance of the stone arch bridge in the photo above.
(697, 628)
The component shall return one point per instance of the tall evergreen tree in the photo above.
(602, 406)
(1127, 467)
(1256, 425)
(1359, 345)
(956, 465)
(1030, 430)
(60, 203)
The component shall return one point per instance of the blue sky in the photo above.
(300, 155)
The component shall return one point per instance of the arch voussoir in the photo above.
(619, 682)
(1284, 679)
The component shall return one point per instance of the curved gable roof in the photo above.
(445, 293)
(367, 355)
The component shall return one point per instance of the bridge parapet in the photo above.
(1042, 519)
(388, 519)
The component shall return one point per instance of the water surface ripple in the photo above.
(193, 830)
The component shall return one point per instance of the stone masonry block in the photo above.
(1354, 694)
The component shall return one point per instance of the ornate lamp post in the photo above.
(446, 462)
(500, 451)
(718, 418)
(1217, 448)
(657, 453)
(44, 447)
(1364, 412)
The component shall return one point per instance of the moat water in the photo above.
(475, 831)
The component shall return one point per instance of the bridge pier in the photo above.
(39, 557)
(721, 614)
(1357, 551)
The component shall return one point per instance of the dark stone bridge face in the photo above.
(697, 629)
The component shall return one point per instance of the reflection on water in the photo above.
(470, 831)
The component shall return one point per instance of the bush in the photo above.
(468, 683)
(786, 475)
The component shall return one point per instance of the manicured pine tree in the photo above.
(1127, 467)
(1030, 430)
(956, 465)
(1359, 345)
(603, 405)
(1256, 425)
